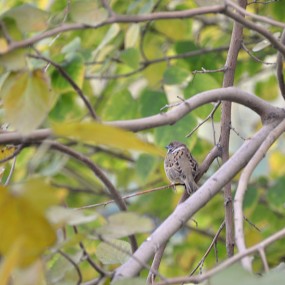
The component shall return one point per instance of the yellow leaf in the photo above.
(3, 45)
(39, 194)
(26, 99)
(96, 133)
(10, 262)
(21, 221)
(6, 151)
(276, 162)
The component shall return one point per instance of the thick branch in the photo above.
(242, 187)
(231, 62)
(187, 209)
(261, 107)
(227, 263)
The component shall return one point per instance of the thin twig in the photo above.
(209, 248)
(67, 77)
(5, 32)
(86, 255)
(74, 265)
(200, 278)
(264, 260)
(254, 57)
(203, 70)
(99, 173)
(210, 116)
(237, 133)
(106, 5)
(125, 197)
(123, 250)
(263, 19)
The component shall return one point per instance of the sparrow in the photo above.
(180, 166)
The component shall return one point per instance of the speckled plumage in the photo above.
(180, 166)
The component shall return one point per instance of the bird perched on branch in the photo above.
(180, 166)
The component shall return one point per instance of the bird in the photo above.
(180, 166)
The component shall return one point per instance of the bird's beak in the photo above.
(167, 147)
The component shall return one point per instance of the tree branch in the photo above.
(215, 9)
(187, 209)
(261, 107)
(198, 279)
(66, 76)
(242, 187)
(98, 172)
(231, 62)
(279, 69)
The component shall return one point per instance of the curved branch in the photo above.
(279, 68)
(98, 172)
(261, 107)
(242, 187)
(116, 19)
(227, 263)
(215, 9)
(187, 209)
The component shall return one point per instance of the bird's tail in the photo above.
(191, 187)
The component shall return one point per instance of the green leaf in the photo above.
(178, 29)
(164, 135)
(238, 275)
(110, 35)
(131, 57)
(72, 47)
(175, 75)
(267, 89)
(66, 108)
(201, 83)
(132, 35)
(26, 97)
(151, 102)
(61, 216)
(14, 60)
(125, 224)
(28, 18)
(93, 132)
(87, 12)
(75, 68)
(276, 195)
(120, 105)
(113, 252)
(145, 165)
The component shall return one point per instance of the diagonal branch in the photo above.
(198, 279)
(187, 209)
(242, 187)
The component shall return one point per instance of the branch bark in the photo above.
(242, 187)
(187, 209)
(231, 62)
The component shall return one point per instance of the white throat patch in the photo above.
(177, 149)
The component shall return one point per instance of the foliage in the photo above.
(87, 74)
